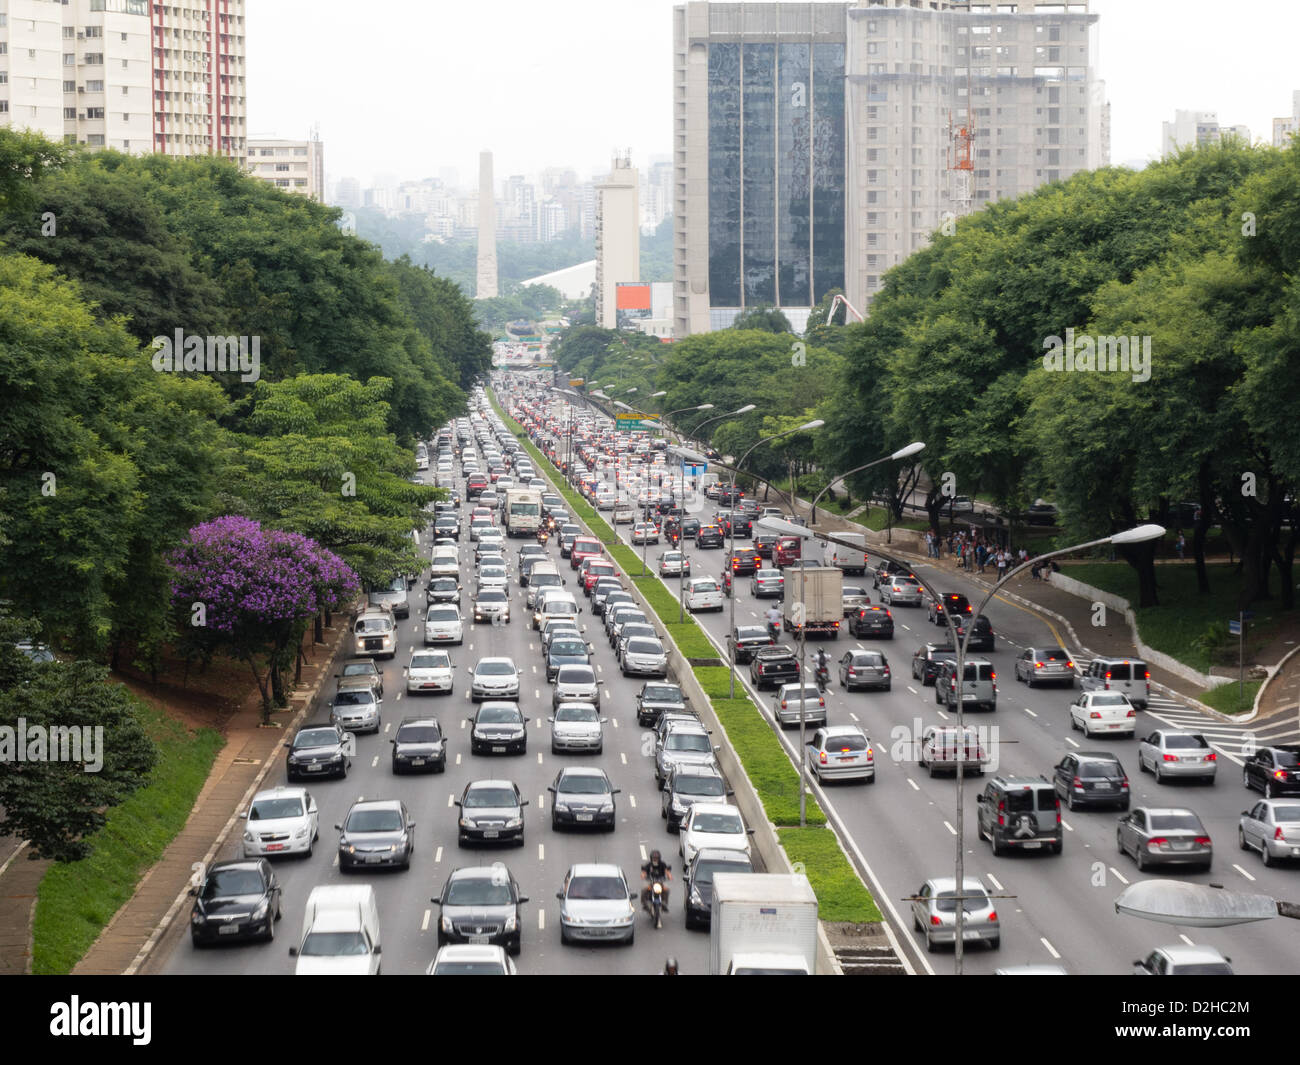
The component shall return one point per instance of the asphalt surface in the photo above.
(901, 830)
(408, 920)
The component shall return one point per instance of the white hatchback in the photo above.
(443, 624)
(703, 593)
(714, 825)
(1103, 713)
(280, 821)
(429, 671)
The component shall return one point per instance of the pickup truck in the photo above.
(773, 666)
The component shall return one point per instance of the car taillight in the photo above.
(1131, 713)
(1211, 757)
(1038, 665)
(822, 757)
(1124, 783)
(1069, 665)
(1277, 833)
(1279, 774)
(1078, 783)
(1171, 758)
(934, 919)
(1094, 713)
(1158, 841)
(993, 916)
(1203, 841)
(1146, 675)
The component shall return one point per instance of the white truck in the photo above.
(763, 924)
(849, 559)
(522, 511)
(822, 608)
(340, 932)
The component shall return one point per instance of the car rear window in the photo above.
(1185, 742)
(1023, 800)
(1096, 770)
(1053, 656)
(1171, 822)
(846, 743)
(1286, 757)
(1120, 671)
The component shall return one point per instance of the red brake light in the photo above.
(1158, 841)
(822, 757)
(1078, 783)
(1095, 713)
(1131, 713)
(1038, 665)
(1212, 757)
(1171, 758)
(1277, 833)
(1204, 841)
(934, 919)
(993, 916)
(1279, 774)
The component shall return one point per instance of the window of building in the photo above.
(94, 31)
(69, 32)
(70, 112)
(93, 59)
(94, 112)
(95, 140)
(69, 86)
(95, 86)
(281, 168)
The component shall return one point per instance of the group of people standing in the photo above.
(973, 550)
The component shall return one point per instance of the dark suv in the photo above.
(1274, 771)
(872, 620)
(709, 536)
(748, 639)
(743, 561)
(928, 658)
(1021, 813)
(773, 666)
(1091, 778)
(952, 601)
(742, 524)
(981, 634)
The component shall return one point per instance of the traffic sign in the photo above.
(634, 422)
(1234, 628)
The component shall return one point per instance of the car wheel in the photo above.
(1241, 839)
(930, 944)
(1160, 777)
(1264, 854)
(1069, 800)
(311, 847)
(564, 936)
(916, 922)
(1119, 843)
(997, 844)
(995, 942)
(1140, 857)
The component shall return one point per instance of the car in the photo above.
(674, 564)
(765, 542)
(596, 904)
(655, 698)
(886, 571)
(786, 704)
(624, 514)
(979, 689)
(553, 603)
(1128, 675)
(237, 899)
(584, 547)
(376, 832)
(899, 589)
(582, 796)
(841, 752)
(871, 621)
(981, 636)
(684, 786)
(444, 562)
(714, 825)
(280, 821)
(419, 744)
(355, 708)
(478, 525)
(392, 596)
(541, 580)
(447, 525)
(494, 678)
(643, 656)
(566, 651)
(742, 561)
(1176, 754)
(1020, 813)
(491, 811)
(619, 617)
(947, 747)
(556, 627)
(577, 726)
(747, 639)
(492, 575)
(492, 605)
(927, 660)
(491, 544)
(934, 913)
(567, 535)
(601, 605)
(947, 603)
(593, 570)
(1272, 827)
(576, 684)
(697, 886)
(443, 624)
(466, 960)
(1181, 959)
(443, 590)
(1044, 665)
(864, 669)
(708, 536)
(1274, 771)
(770, 666)
(375, 633)
(318, 751)
(1103, 713)
(1164, 836)
(854, 597)
(767, 584)
(703, 593)
(683, 743)
(479, 904)
(429, 672)
(1041, 512)
(644, 532)
(1091, 778)
(364, 667)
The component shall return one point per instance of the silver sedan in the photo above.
(1171, 754)
(934, 913)
(1164, 836)
(1272, 827)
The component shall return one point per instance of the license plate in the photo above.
(275, 846)
(584, 817)
(1103, 786)
(313, 769)
(1182, 846)
(227, 929)
(491, 833)
(1033, 846)
(498, 750)
(846, 758)
(417, 761)
(968, 698)
(373, 859)
(478, 939)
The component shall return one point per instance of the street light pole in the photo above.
(901, 453)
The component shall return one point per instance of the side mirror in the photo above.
(455, 802)
(193, 892)
(523, 802)
(339, 827)
(287, 744)
(560, 895)
(293, 952)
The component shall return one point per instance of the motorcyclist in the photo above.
(656, 869)
(774, 618)
(823, 664)
(670, 967)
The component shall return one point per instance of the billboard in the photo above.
(631, 301)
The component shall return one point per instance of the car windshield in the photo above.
(316, 737)
(1095, 770)
(381, 820)
(479, 891)
(727, 824)
(365, 698)
(334, 945)
(704, 870)
(576, 675)
(699, 785)
(568, 647)
(1185, 742)
(1202, 968)
(597, 887)
(661, 693)
(687, 741)
(1176, 823)
(561, 607)
(442, 614)
(227, 882)
(491, 571)
(444, 584)
(578, 712)
(429, 661)
(482, 798)
(495, 669)
(374, 625)
(644, 647)
(946, 902)
(544, 580)
(418, 734)
(498, 715)
(491, 595)
(360, 669)
(270, 809)
(583, 784)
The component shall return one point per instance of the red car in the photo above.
(584, 547)
(593, 571)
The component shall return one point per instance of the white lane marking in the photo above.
(1050, 949)
(632, 801)
(390, 724)
(615, 720)
(1029, 712)
(853, 715)
(607, 695)
(537, 693)
(994, 881)
(541, 920)
(1066, 825)
(539, 757)
(541, 852)
(942, 714)
(424, 925)
(949, 828)
(534, 669)
(374, 761)
(458, 759)
(600, 668)
(1242, 871)
(911, 689)
(471, 647)
(437, 855)
(336, 861)
(644, 857)
(451, 800)
(623, 757)
(1118, 875)
(1070, 742)
(1186, 940)
(915, 785)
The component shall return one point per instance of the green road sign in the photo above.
(630, 423)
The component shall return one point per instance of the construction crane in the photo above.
(960, 165)
(835, 304)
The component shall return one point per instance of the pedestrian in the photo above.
(1180, 543)
(1002, 564)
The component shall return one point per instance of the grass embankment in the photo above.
(1225, 697)
(1191, 627)
(77, 899)
(841, 895)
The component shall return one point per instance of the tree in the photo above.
(25, 160)
(769, 319)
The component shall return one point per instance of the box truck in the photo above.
(763, 924)
(523, 511)
(340, 932)
(822, 591)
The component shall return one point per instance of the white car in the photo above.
(464, 959)
(703, 593)
(624, 514)
(443, 624)
(712, 824)
(445, 562)
(492, 575)
(491, 535)
(478, 526)
(281, 821)
(1104, 713)
(429, 671)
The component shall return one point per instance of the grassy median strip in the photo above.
(841, 895)
(77, 899)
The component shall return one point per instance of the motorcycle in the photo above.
(657, 903)
(542, 536)
(823, 677)
(774, 630)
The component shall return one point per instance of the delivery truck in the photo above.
(821, 589)
(763, 924)
(523, 511)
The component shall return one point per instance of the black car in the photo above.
(419, 744)
(498, 728)
(772, 666)
(601, 589)
(748, 639)
(237, 900)
(1091, 778)
(927, 660)
(656, 697)
(582, 796)
(611, 599)
(763, 544)
(566, 651)
(480, 904)
(443, 590)
(491, 811)
(872, 620)
(376, 832)
(709, 536)
(318, 751)
(1274, 771)
(743, 561)
(699, 880)
(981, 634)
(743, 524)
(948, 603)
(686, 785)
(447, 525)
(886, 570)
(1041, 513)
(689, 527)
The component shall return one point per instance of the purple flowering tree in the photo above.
(249, 592)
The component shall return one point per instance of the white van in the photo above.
(849, 559)
(554, 604)
(340, 932)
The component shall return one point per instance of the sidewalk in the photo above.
(251, 751)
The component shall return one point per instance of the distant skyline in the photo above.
(428, 86)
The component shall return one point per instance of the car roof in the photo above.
(1099, 756)
(474, 785)
(281, 791)
(595, 869)
(469, 952)
(720, 854)
(1180, 953)
(481, 661)
(422, 719)
(584, 771)
(236, 863)
(716, 808)
(949, 883)
(376, 804)
(842, 730)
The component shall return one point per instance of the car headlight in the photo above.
(512, 922)
(515, 822)
(695, 894)
(261, 910)
(347, 848)
(446, 924)
(249, 837)
(197, 917)
(466, 823)
(302, 832)
(607, 807)
(561, 807)
(337, 756)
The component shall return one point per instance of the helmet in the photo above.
(670, 967)
(654, 856)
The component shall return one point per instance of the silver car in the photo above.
(576, 684)
(786, 703)
(492, 605)
(596, 904)
(577, 726)
(1164, 836)
(934, 913)
(645, 657)
(901, 590)
(685, 743)
(841, 752)
(1171, 754)
(494, 678)
(1182, 960)
(355, 707)
(854, 597)
(1272, 827)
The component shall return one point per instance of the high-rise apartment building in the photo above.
(814, 143)
(347, 193)
(294, 166)
(1190, 129)
(618, 237)
(486, 284)
(127, 74)
(1285, 128)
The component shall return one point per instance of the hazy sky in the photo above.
(407, 87)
